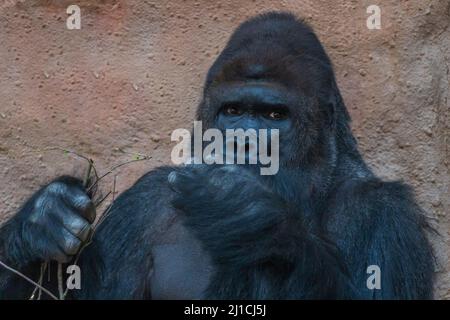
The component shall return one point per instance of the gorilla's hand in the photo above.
(250, 230)
(55, 222)
(212, 185)
(230, 211)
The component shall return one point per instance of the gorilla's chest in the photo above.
(181, 268)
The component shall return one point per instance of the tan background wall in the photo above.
(134, 72)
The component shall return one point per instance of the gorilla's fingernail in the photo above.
(172, 177)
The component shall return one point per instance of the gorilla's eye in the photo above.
(277, 114)
(232, 110)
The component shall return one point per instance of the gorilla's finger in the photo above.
(73, 222)
(172, 177)
(48, 247)
(181, 182)
(67, 242)
(74, 196)
(80, 201)
(54, 252)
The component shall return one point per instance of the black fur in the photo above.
(308, 232)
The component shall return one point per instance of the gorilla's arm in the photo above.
(379, 223)
(260, 246)
(12, 254)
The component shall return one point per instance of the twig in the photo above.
(102, 199)
(116, 167)
(88, 173)
(41, 278)
(107, 211)
(76, 154)
(60, 282)
(114, 188)
(27, 279)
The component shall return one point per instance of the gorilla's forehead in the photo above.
(274, 62)
(280, 70)
(274, 46)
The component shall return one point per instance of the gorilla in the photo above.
(311, 231)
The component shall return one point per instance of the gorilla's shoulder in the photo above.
(370, 202)
(376, 188)
(153, 181)
(393, 199)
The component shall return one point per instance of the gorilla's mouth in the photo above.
(248, 150)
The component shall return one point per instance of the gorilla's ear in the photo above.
(331, 101)
(336, 112)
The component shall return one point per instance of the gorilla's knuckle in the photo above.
(39, 223)
(34, 219)
(84, 232)
(77, 224)
(184, 182)
(71, 245)
(82, 202)
(56, 188)
(229, 168)
(172, 177)
(87, 210)
(41, 206)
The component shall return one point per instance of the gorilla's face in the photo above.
(253, 94)
(251, 104)
(275, 77)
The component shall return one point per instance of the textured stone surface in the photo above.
(134, 72)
